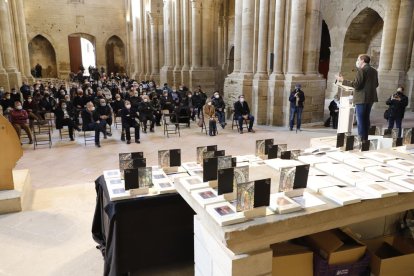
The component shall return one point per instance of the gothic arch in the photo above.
(230, 60)
(42, 51)
(115, 55)
(376, 7)
(363, 35)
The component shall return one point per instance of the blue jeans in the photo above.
(298, 112)
(363, 112)
(221, 117)
(397, 121)
(249, 117)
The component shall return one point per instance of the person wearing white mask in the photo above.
(18, 118)
(219, 104)
(209, 113)
(105, 114)
(146, 112)
(242, 113)
(334, 111)
(129, 118)
(397, 104)
(365, 94)
(91, 121)
(64, 117)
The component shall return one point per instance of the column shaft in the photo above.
(237, 35)
(279, 36)
(263, 36)
(296, 36)
(177, 34)
(6, 29)
(196, 34)
(247, 37)
(312, 37)
(168, 41)
(388, 35)
(186, 35)
(155, 46)
(206, 33)
(402, 37)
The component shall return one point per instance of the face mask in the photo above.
(128, 106)
(357, 63)
(189, 96)
(103, 104)
(19, 107)
(29, 100)
(136, 94)
(145, 100)
(14, 92)
(118, 99)
(209, 103)
(92, 108)
(8, 97)
(216, 96)
(63, 106)
(241, 100)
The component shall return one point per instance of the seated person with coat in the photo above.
(129, 117)
(146, 112)
(242, 113)
(209, 113)
(91, 121)
(18, 118)
(64, 116)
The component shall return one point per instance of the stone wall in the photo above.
(56, 20)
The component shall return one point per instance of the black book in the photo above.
(131, 179)
(340, 140)
(268, 144)
(131, 155)
(365, 145)
(210, 167)
(225, 179)
(132, 164)
(272, 152)
(372, 130)
(212, 148)
(175, 158)
(201, 150)
(398, 142)
(387, 133)
(285, 154)
(349, 142)
(234, 162)
(261, 192)
(218, 153)
(301, 176)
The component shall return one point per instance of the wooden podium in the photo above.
(11, 151)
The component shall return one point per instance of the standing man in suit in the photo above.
(242, 112)
(365, 94)
(296, 99)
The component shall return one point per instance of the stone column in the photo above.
(237, 35)
(208, 21)
(185, 73)
(166, 75)
(196, 34)
(177, 43)
(388, 34)
(260, 87)
(312, 37)
(275, 96)
(402, 37)
(296, 37)
(409, 89)
(9, 61)
(17, 36)
(155, 66)
(247, 40)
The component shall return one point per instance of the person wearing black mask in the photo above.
(397, 104)
(130, 119)
(296, 99)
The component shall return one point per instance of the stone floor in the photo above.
(54, 238)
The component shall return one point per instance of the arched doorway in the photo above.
(230, 61)
(363, 36)
(42, 52)
(325, 53)
(115, 55)
(81, 52)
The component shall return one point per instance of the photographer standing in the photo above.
(296, 98)
(397, 102)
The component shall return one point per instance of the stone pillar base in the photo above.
(259, 98)
(4, 81)
(237, 84)
(185, 76)
(409, 89)
(15, 79)
(166, 76)
(155, 77)
(275, 99)
(388, 84)
(177, 77)
(205, 77)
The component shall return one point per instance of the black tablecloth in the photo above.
(142, 232)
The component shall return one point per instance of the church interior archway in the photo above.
(115, 55)
(81, 52)
(325, 53)
(363, 36)
(42, 52)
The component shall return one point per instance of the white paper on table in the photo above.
(308, 200)
(364, 195)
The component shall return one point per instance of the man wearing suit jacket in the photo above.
(241, 113)
(365, 94)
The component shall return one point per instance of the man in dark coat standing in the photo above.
(365, 94)
(397, 102)
(296, 99)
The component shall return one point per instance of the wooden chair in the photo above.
(42, 135)
(235, 122)
(171, 127)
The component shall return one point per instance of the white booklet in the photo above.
(379, 156)
(385, 172)
(189, 166)
(112, 174)
(339, 195)
(402, 164)
(317, 182)
(224, 213)
(206, 196)
(162, 183)
(406, 181)
(278, 163)
(314, 159)
(379, 189)
(361, 162)
(283, 204)
(193, 182)
(308, 200)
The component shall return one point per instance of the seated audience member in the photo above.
(219, 104)
(241, 113)
(134, 98)
(146, 112)
(334, 111)
(176, 98)
(18, 118)
(64, 117)
(157, 109)
(47, 103)
(25, 90)
(104, 111)
(198, 103)
(6, 103)
(15, 96)
(167, 102)
(130, 119)
(189, 103)
(32, 108)
(117, 105)
(91, 121)
(209, 113)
